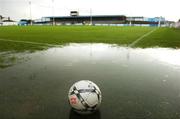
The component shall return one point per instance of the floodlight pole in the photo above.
(90, 16)
(30, 13)
(53, 21)
(130, 21)
(159, 24)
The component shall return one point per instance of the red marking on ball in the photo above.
(73, 100)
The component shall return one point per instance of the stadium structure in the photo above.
(76, 19)
(156, 21)
(117, 20)
(177, 24)
(83, 20)
(6, 21)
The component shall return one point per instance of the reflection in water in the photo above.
(170, 56)
(74, 115)
(96, 52)
(143, 82)
(8, 59)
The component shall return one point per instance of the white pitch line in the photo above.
(28, 42)
(142, 37)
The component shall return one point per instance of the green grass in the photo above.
(60, 35)
(68, 34)
(162, 37)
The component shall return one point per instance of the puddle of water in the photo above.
(135, 83)
(8, 59)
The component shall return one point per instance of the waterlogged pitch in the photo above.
(136, 68)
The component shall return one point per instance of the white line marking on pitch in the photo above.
(142, 37)
(28, 42)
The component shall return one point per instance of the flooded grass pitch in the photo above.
(135, 83)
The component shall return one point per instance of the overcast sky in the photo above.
(17, 9)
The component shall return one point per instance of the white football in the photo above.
(84, 97)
